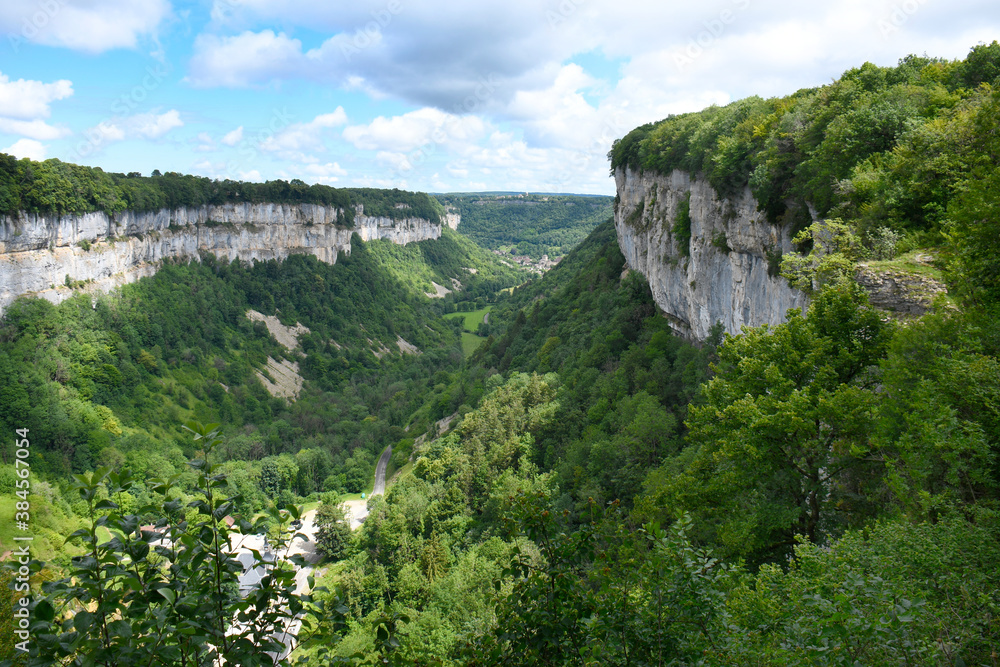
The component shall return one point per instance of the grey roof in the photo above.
(251, 576)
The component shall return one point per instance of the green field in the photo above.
(472, 319)
(470, 322)
(470, 342)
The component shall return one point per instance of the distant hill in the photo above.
(528, 224)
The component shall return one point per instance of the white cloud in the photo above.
(139, 126)
(558, 115)
(24, 103)
(412, 130)
(234, 137)
(395, 161)
(25, 99)
(151, 125)
(33, 129)
(323, 173)
(28, 148)
(204, 143)
(299, 140)
(93, 26)
(243, 60)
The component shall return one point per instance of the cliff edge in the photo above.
(53, 256)
(707, 259)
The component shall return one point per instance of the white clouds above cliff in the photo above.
(28, 148)
(92, 26)
(25, 103)
(442, 94)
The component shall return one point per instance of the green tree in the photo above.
(333, 530)
(167, 596)
(785, 430)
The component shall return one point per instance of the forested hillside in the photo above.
(109, 381)
(528, 224)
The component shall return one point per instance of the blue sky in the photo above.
(440, 95)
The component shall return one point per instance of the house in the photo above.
(251, 576)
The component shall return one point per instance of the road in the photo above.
(383, 463)
(359, 508)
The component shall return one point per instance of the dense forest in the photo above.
(586, 488)
(528, 224)
(59, 187)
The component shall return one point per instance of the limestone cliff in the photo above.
(729, 274)
(98, 252)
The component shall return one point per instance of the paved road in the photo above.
(383, 463)
(359, 508)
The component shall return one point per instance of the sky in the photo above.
(431, 95)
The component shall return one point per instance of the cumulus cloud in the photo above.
(434, 54)
(25, 99)
(139, 126)
(24, 104)
(323, 173)
(299, 140)
(243, 60)
(33, 129)
(412, 130)
(92, 26)
(234, 137)
(28, 148)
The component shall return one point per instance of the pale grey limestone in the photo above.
(37, 252)
(711, 285)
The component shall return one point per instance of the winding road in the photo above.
(359, 508)
(306, 546)
(380, 467)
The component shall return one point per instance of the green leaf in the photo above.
(44, 611)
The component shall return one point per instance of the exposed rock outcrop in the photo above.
(286, 336)
(729, 274)
(287, 381)
(901, 293)
(40, 254)
(452, 217)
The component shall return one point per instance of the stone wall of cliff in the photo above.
(99, 252)
(729, 274)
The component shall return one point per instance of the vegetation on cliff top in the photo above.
(881, 146)
(59, 187)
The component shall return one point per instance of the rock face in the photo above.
(725, 277)
(901, 293)
(38, 253)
